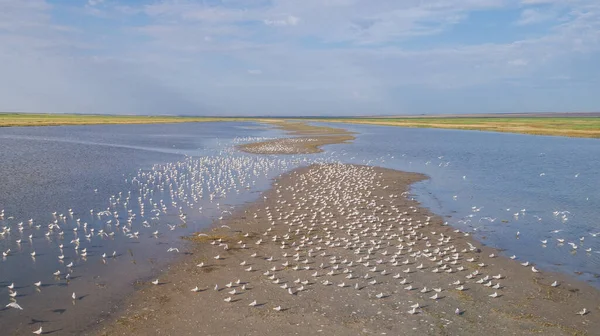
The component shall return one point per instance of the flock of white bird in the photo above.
(388, 244)
(279, 146)
(158, 201)
(333, 233)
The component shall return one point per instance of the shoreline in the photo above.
(308, 139)
(381, 206)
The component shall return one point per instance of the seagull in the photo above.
(554, 284)
(195, 289)
(278, 308)
(534, 270)
(39, 331)
(253, 303)
(495, 295)
(14, 305)
(582, 312)
(38, 284)
(155, 282)
(74, 296)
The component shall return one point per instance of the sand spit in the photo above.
(309, 139)
(343, 250)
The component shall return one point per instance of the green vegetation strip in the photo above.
(581, 127)
(30, 119)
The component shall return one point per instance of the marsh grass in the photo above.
(580, 127)
(39, 119)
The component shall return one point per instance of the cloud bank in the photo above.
(289, 57)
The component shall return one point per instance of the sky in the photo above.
(299, 57)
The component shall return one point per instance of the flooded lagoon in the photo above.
(520, 193)
(118, 199)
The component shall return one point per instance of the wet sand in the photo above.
(354, 226)
(308, 139)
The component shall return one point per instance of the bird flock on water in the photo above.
(157, 204)
(328, 230)
(388, 244)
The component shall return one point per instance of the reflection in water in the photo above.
(84, 219)
(535, 196)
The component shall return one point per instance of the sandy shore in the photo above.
(343, 250)
(307, 139)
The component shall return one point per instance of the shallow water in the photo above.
(52, 169)
(496, 185)
(153, 168)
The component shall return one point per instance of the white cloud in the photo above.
(290, 20)
(534, 16)
(336, 56)
(95, 2)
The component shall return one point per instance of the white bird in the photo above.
(278, 308)
(155, 282)
(74, 296)
(495, 295)
(227, 299)
(554, 284)
(582, 312)
(39, 331)
(534, 270)
(38, 284)
(195, 289)
(253, 303)
(14, 305)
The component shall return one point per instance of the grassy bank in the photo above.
(27, 119)
(580, 127)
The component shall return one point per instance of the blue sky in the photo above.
(299, 57)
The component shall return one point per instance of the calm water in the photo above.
(496, 185)
(175, 179)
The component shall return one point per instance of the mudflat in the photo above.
(308, 139)
(343, 250)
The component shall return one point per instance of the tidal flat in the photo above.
(203, 235)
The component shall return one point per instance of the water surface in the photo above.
(512, 191)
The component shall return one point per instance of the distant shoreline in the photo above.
(576, 125)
